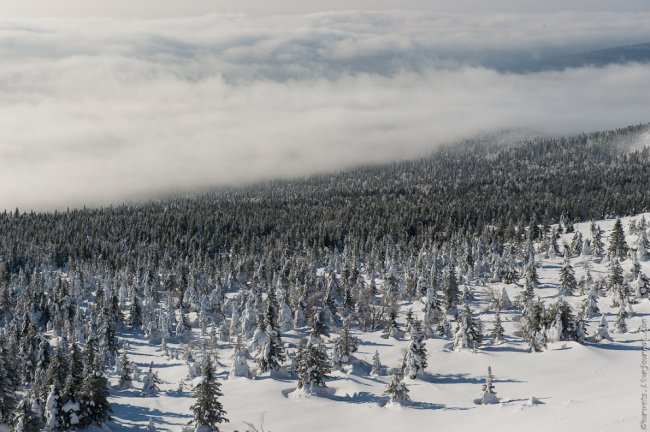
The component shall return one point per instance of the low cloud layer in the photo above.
(99, 111)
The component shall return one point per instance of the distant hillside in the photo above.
(639, 53)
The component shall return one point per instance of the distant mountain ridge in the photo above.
(637, 53)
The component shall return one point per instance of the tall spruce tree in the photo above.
(568, 283)
(313, 368)
(617, 245)
(208, 410)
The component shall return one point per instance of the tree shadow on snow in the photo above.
(619, 346)
(357, 398)
(142, 414)
(370, 343)
(502, 348)
(459, 379)
(145, 365)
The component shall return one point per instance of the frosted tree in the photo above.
(135, 310)
(590, 304)
(397, 391)
(377, 367)
(299, 314)
(617, 245)
(504, 300)
(555, 333)
(531, 272)
(126, 373)
(318, 328)
(71, 396)
(603, 330)
(313, 368)
(560, 315)
(150, 382)
(468, 332)
(285, 317)
(581, 328)
(641, 247)
(183, 328)
(416, 356)
(260, 337)
(392, 327)
(527, 294)
(568, 283)
(235, 328)
(239, 366)
(489, 395)
(532, 319)
(25, 420)
(641, 286)
(95, 409)
(450, 291)
(271, 355)
(52, 410)
(620, 326)
(616, 282)
(497, 331)
(344, 346)
(597, 245)
(615, 277)
(208, 410)
(7, 394)
(443, 329)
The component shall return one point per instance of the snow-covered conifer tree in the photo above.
(416, 356)
(126, 373)
(392, 327)
(150, 382)
(344, 346)
(377, 367)
(568, 283)
(25, 420)
(313, 368)
(489, 395)
(239, 366)
(208, 410)
(590, 304)
(468, 333)
(617, 245)
(603, 330)
(497, 331)
(397, 391)
(620, 326)
(52, 410)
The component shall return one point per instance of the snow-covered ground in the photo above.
(590, 387)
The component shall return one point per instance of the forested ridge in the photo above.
(458, 189)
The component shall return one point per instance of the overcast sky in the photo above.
(101, 110)
(176, 8)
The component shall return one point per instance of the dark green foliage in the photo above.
(567, 317)
(95, 408)
(450, 290)
(208, 410)
(314, 367)
(24, 418)
(567, 279)
(7, 397)
(617, 245)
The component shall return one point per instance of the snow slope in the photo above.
(591, 387)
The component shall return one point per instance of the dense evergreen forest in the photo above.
(371, 210)
(340, 251)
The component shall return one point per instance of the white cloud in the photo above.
(97, 111)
